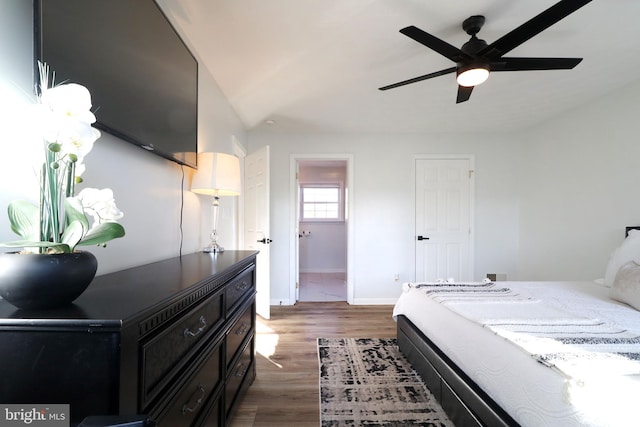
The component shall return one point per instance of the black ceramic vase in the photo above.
(45, 280)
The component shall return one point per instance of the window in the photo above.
(321, 202)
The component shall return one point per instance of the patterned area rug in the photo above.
(368, 382)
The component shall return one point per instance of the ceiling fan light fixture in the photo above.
(472, 74)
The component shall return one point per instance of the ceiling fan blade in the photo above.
(531, 28)
(436, 44)
(464, 93)
(524, 64)
(419, 79)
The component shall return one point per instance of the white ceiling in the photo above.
(315, 65)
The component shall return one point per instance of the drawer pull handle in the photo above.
(242, 286)
(201, 390)
(241, 370)
(187, 333)
(242, 329)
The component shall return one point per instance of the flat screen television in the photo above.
(142, 77)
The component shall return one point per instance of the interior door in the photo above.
(443, 219)
(256, 223)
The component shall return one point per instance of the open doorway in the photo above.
(322, 229)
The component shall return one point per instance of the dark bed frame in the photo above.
(463, 400)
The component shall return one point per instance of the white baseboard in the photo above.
(375, 301)
(282, 302)
(324, 271)
(358, 301)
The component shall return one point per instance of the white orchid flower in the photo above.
(71, 100)
(80, 169)
(66, 118)
(100, 205)
(77, 138)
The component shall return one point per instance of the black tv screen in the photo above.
(142, 77)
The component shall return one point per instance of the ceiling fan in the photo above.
(476, 58)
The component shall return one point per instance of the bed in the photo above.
(530, 353)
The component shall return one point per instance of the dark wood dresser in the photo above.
(174, 340)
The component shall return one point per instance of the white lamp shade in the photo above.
(217, 174)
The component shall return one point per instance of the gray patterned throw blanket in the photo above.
(582, 349)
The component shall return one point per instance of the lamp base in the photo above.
(213, 248)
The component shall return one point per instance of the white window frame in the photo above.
(341, 205)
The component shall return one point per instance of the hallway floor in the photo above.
(322, 287)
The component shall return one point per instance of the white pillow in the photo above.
(629, 250)
(626, 286)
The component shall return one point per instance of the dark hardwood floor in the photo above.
(286, 390)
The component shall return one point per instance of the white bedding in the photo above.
(532, 393)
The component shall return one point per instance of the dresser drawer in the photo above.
(165, 353)
(193, 396)
(240, 286)
(237, 373)
(241, 329)
(210, 417)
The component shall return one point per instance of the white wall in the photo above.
(323, 247)
(147, 188)
(16, 47)
(382, 197)
(579, 188)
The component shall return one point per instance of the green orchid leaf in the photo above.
(74, 232)
(20, 244)
(51, 247)
(74, 212)
(102, 233)
(25, 219)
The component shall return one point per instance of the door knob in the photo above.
(265, 241)
(422, 238)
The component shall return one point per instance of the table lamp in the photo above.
(218, 175)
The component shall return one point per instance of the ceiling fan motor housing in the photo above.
(473, 24)
(473, 46)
